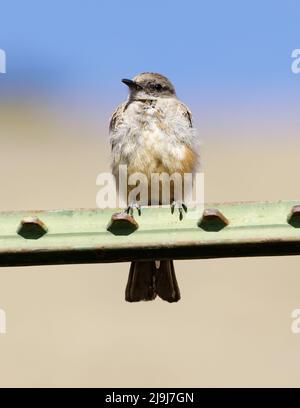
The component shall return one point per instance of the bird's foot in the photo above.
(181, 208)
(133, 206)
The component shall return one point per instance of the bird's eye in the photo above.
(155, 87)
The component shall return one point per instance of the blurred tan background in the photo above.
(70, 325)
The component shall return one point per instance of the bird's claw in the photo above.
(181, 208)
(131, 207)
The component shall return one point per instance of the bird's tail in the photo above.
(147, 279)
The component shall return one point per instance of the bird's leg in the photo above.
(181, 207)
(130, 208)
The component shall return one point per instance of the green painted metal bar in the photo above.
(81, 236)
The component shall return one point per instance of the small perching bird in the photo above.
(152, 132)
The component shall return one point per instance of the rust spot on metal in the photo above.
(122, 224)
(32, 228)
(212, 220)
(294, 217)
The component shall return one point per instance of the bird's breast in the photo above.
(149, 143)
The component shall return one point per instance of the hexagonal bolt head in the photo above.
(294, 217)
(212, 220)
(122, 224)
(32, 228)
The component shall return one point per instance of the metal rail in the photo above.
(89, 236)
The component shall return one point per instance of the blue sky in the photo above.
(225, 50)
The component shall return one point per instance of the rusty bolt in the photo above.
(212, 220)
(122, 224)
(294, 217)
(32, 228)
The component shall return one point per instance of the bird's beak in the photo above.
(131, 84)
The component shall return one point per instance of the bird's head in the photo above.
(149, 86)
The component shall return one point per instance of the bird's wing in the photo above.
(189, 138)
(117, 117)
(184, 111)
(115, 121)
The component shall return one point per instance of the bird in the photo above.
(152, 132)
